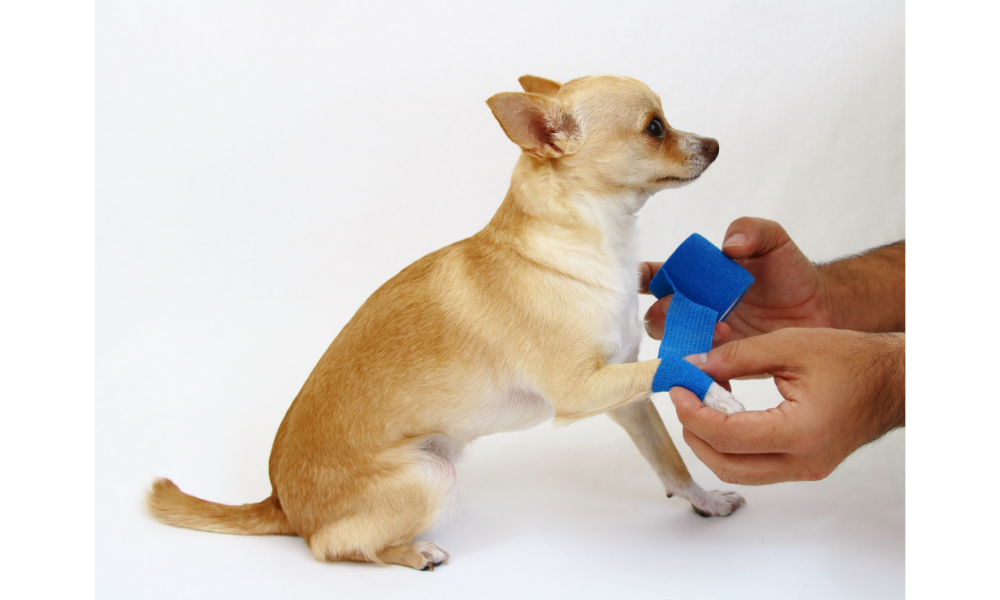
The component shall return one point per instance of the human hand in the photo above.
(788, 291)
(841, 390)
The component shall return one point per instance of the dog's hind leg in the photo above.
(421, 555)
(394, 509)
(644, 425)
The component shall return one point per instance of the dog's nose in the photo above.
(710, 147)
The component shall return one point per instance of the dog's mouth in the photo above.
(670, 179)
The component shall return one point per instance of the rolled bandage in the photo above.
(706, 286)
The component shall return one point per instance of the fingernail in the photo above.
(737, 239)
(672, 399)
(715, 336)
(697, 359)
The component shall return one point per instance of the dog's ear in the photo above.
(539, 85)
(539, 124)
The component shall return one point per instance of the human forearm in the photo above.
(868, 292)
(887, 372)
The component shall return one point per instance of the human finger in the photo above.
(748, 237)
(749, 432)
(656, 317)
(646, 272)
(757, 376)
(723, 333)
(760, 355)
(743, 469)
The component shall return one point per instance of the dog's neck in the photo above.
(554, 217)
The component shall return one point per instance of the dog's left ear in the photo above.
(539, 124)
(539, 85)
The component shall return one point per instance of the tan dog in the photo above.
(534, 317)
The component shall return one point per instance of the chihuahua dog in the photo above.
(533, 318)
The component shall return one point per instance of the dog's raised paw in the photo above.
(722, 401)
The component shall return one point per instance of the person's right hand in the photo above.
(841, 390)
(788, 291)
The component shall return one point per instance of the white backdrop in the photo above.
(264, 166)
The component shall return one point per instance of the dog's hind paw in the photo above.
(722, 401)
(434, 554)
(421, 555)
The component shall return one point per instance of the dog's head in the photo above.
(609, 130)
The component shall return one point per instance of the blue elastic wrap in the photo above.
(706, 285)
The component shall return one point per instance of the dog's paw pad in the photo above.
(722, 401)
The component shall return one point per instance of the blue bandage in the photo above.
(706, 285)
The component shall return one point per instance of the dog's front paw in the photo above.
(722, 401)
(715, 503)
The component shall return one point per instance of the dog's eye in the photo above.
(655, 128)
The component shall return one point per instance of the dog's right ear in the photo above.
(539, 124)
(539, 85)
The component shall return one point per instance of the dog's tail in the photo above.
(172, 506)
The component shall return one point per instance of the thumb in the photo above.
(656, 317)
(646, 272)
(758, 355)
(750, 237)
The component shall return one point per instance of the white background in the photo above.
(263, 167)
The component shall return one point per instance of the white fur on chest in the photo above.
(614, 302)
(604, 298)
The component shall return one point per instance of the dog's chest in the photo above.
(618, 328)
(624, 335)
(610, 305)
(615, 300)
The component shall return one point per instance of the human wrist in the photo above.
(885, 364)
(867, 292)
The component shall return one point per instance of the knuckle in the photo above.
(789, 335)
(731, 351)
(742, 224)
(816, 472)
(773, 234)
(776, 227)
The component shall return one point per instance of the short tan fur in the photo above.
(534, 317)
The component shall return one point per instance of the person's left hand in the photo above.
(841, 390)
(788, 291)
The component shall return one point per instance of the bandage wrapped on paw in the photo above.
(706, 286)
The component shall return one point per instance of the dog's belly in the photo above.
(513, 408)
